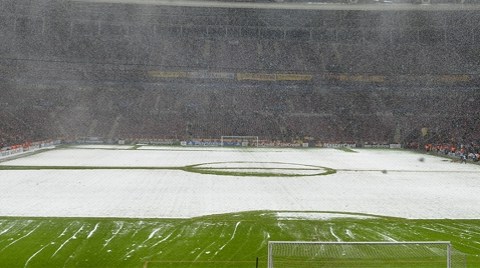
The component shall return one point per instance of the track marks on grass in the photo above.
(217, 238)
(8, 227)
(35, 254)
(231, 238)
(66, 229)
(162, 240)
(334, 235)
(350, 235)
(153, 233)
(265, 238)
(387, 238)
(119, 226)
(157, 236)
(206, 247)
(74, 236)
(90, 234)
(21, 238)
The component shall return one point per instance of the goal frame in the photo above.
(255, 138)
(445, 243)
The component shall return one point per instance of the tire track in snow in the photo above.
(8, 229)
(93, 231)
(350, 234)
(140, 245)
(119, 228)
(231, 238)
(377, 233)
(468, 228)
(387, 238)
(35, 254)
(152, 234)
(245, 240)
(204, 251)
(319, 234)
(15, 241)
(74, 236)
(210, 245)
(266, 238)
(338, 240)
(166, 238)
(161, 241)
(334, 235)
(65, 230)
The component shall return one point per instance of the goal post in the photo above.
(243, 141)
(424, 254)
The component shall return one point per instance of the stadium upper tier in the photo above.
(72, 69)
(315, 41)
(306, 4)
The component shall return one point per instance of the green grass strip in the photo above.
(225, 240)
(198, 168)
(9, 167)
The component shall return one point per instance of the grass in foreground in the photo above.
(229, 240)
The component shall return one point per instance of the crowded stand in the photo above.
(73, 70)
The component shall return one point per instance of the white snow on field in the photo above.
(318, 216)
(102, 146)
(276, 171)
(433, 188)
(264, 165)
(176, 148)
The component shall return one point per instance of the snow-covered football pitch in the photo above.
(183, 182)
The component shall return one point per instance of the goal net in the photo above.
(363, 254)
(243, 141)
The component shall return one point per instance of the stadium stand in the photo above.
(124, 71)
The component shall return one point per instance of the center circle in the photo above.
(259, 169)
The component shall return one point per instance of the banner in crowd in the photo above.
(27, 146)
(273, 77)
(202, 143)
(256, 77)
(210, 75)
(294, 77)
(356, 78)
(339, 145)
(166, 74)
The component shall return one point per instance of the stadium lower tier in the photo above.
(324, 113)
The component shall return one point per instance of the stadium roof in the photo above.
(290, 5)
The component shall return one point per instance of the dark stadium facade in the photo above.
(125, 71)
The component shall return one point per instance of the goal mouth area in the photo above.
(428, 254)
